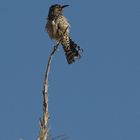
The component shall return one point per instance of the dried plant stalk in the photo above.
(45, 119)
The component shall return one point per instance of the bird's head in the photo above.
(56, 10)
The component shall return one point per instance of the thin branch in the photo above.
(45, 119)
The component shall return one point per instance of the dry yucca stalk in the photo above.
(44, 129)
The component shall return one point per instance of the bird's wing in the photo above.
(63, 24)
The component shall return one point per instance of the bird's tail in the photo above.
(72, 50)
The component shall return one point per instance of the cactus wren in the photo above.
(58, 29)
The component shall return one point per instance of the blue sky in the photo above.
(97, 98)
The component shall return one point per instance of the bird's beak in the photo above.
(64, 6)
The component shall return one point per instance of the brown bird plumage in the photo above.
(56, 27)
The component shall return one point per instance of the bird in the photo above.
(57, 27)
